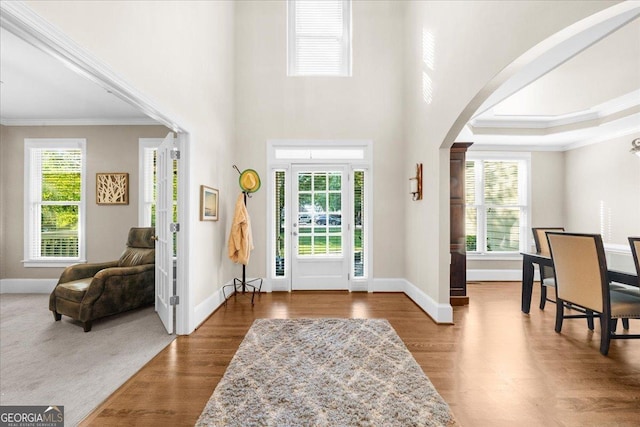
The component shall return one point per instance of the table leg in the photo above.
(527, 284)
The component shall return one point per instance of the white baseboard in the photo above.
(498, 275)
(440, 313)
(203, 310)
(360, 285)
(27, 286)
(276, 285)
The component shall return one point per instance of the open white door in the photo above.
(164, 231)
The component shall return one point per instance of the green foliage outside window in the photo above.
(61, 189)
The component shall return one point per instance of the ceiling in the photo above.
(591, 97)
(38, 89)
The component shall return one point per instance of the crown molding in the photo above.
(613, 109)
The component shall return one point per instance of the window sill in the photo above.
(52, 264)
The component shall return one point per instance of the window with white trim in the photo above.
(319, 37)
(55, 183)
(497, 202)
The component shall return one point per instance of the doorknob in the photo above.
(295, 233)
(154, 238)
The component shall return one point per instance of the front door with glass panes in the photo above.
(319, 239)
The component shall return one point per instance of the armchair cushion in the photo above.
(136, 256)
(82, 271)
(74, 291)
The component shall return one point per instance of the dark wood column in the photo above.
(458, 277)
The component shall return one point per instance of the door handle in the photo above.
(295, 233)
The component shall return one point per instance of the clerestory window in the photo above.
(319, 37)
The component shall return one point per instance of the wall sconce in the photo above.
(635, 147)
(415, 183)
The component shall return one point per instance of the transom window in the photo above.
(497, 202)
(54, 202)
(319, 37)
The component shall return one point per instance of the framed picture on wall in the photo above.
(208, 203)
(112, 188)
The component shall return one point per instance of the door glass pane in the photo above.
(335, 181)
(304, 245)
(319, 213)
(358, 212)
(320, 202)
(335, 245)
(304, 203)
(304, 182)
(320, 182)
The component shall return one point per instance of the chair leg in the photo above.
(559, 314)
(57, 316)
(605, 333)
(614, 324)
(590, 320)
(543, 296)
(625, 324)
(87, 326)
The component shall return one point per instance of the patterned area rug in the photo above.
(324, 372)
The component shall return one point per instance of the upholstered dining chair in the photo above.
(580, 269)
(547, 280)
(634, 242)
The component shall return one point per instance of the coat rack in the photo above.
(243, 284)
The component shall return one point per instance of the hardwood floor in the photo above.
(495, 366)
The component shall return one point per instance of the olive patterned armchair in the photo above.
(86, 292)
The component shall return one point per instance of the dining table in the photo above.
(531, 258)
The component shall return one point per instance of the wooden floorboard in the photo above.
(494, 366)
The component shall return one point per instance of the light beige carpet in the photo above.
(324, 372)
(43, 362)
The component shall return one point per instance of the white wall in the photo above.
(603, 190)
(472, 43)
(179, 54)
(368, 105)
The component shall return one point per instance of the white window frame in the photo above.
(292, 64)
(524, 158)
(32, 221)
